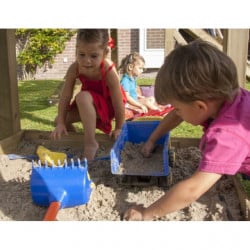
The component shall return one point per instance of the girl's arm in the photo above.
(65, 99)
(180, 196)
(113, 83)
(139, 93)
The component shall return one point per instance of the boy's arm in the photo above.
(170, 121)
(180, 196)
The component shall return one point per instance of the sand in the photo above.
(110, 199)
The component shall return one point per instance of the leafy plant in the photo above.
(40, 46)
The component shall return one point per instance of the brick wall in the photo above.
(126, 41)
(61, 64)
(155, 38)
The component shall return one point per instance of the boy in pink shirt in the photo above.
(201, 83)
(225, 144)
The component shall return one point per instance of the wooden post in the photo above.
(114, 52)
(9, 111)
(169, 41)
(235, 44)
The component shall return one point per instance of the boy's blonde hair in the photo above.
(196, 71)
(129, 59)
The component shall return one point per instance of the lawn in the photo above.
(35, 110)
(37, 113)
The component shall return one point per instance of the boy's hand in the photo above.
(147, 148)
(134, 213)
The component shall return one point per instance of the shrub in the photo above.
(40, 46)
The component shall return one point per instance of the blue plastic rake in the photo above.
(60, 186)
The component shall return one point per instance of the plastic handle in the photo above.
(52, 211)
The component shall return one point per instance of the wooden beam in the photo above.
(179, 38)
(202, 34)
(248, 71)
(243, 197)
(235, 44)
(169, 41)
(9, 111)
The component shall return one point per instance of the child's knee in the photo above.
(83, 96)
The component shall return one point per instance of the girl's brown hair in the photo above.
(129, 59)
(93, 35)
(196, 71)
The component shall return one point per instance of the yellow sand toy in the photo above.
(48, 157)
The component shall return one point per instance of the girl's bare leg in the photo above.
(87, 114)
(150, 103)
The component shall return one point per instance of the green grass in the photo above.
(37, 113)
(145, 81)
(245, 184)
(184, 129)
(35, 110)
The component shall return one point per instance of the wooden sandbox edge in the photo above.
(243, 197)
(9, 144)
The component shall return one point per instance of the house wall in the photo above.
(126, 42)
(155, 38)
(61, 64)
(59, 67)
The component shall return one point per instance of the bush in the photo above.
(40, 46)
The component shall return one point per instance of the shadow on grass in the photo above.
(34, 105)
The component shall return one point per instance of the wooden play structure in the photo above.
(235, 44)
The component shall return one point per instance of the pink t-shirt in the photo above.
(225, 145)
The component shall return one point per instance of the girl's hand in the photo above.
(144, 109)
(115, 133)
(58, 132)
(134, 213)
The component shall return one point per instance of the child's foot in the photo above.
(90, 151)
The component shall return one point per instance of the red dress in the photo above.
(101, 99)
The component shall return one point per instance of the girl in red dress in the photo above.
(100, 99)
